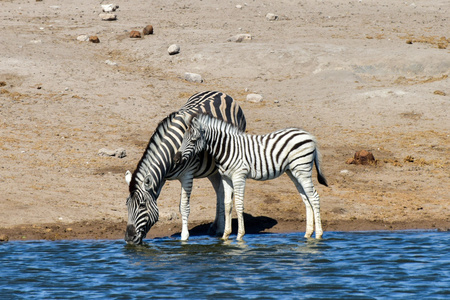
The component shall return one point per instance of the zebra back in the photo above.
(218, 105)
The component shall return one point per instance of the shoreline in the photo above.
(107, 230)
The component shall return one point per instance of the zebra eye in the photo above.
(147, 182)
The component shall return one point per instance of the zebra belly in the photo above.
(263, 176)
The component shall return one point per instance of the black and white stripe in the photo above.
(261, 157)
(156, 165)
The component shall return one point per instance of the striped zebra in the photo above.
(156, 166)
(240, 156)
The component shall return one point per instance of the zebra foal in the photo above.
(239, 156)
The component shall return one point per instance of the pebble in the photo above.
(120, 152)
(240, 37)
(192, 77)
(254, 98)
(83, 38)
(108, 17)
(271, 17)
(148, 30)
(4, 238)
(109, 7)
(174, 49)
(111, 63)
(135, 34)
(94, 39)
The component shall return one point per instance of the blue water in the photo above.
(346, 265)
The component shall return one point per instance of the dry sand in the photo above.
(359, 75)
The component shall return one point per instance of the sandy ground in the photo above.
(369, 75)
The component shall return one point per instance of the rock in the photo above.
(108, 17)
(109, 7)
(4, 238)
(83, 38)
(240, 37)
(440, 93)
(271, 17)
(174, 49)
(111, 63)
(120, 152)
(239, 6)
(94, 39)
(192, 77)
(134, 34)
(148, 30)
(362, 157)
(255, 98)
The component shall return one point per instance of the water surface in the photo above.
(346, 265)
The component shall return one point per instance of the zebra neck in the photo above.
(222, 142)
(158, 157)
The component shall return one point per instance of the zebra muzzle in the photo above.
(130, 233)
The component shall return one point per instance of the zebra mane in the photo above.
(212, 122)
(143, 167)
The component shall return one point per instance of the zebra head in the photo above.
(193, 140)
(143, 212)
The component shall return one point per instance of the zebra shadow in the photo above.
(253, 225)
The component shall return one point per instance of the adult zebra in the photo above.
(156, 165)
(240, 156)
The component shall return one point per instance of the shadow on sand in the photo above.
(252, 225)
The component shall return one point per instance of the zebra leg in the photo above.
(217, 227)
(309, 209)
(315, 202)
(239, 190)
(228, 199)
(186, 189)
(304, 177)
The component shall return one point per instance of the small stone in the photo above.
(4, 238)
(440, 93)
(134, 34)
(120, 152)
(109, 7)
(83, 38)
(362, 157)
(271, 17)
(192, 77)
(94, 39)
(111, 63)
(254, 98)
(174, 49)
(108, 17)
(239, 6)
(409, 42)
(148, 30)
(240, 37)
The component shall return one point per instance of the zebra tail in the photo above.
(320, 177)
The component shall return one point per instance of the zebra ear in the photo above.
(128, 177)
